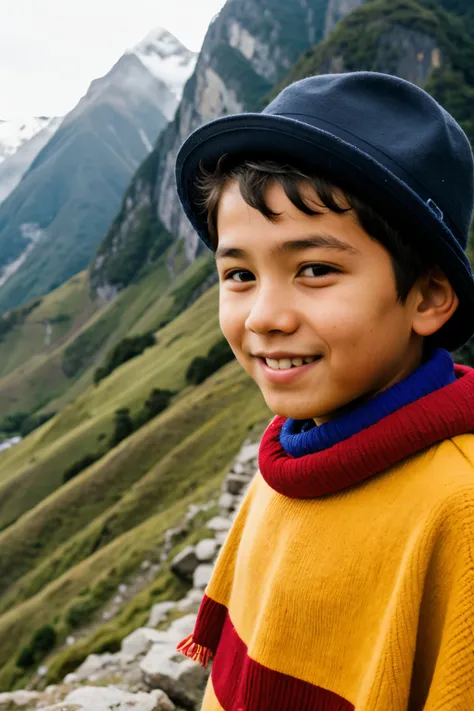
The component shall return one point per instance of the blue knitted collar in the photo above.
(301, 437)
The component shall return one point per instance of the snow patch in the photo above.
(32, 232)
(166, 59)
(145, 139)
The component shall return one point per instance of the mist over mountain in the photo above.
(20, 146)
(51, 223)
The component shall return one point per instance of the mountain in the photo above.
(167, 59)
(247, 48)
(52, 222)
(243, 55)
(20, 151)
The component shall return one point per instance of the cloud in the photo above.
(50, 50)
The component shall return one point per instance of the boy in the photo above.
(339, 217)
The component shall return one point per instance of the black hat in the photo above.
(378, 135)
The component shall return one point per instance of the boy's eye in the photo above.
(317, 270)
(242, 274)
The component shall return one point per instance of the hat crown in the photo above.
(401, 126)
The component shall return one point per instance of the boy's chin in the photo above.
(303, 411)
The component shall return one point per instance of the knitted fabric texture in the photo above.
(346, 581)
(300, 437)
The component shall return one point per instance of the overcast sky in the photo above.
(50, 50)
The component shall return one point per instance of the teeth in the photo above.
(272, 363)
(286, 363)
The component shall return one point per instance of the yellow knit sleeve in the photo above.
(443, 671)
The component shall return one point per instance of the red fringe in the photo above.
(194, 651)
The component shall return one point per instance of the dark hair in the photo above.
(253, 177)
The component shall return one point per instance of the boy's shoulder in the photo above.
(450, 475)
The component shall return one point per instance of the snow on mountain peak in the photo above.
(166, 58)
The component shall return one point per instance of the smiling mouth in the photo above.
(288, 363)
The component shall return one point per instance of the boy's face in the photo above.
(316, 287)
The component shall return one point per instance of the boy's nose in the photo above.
(271, 311)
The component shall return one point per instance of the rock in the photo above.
(185, 563)
(70, 640)
(178, 630)
(182, 626)
(202, 575)
(42, 670)
(219, 523)
(226, 502)
(236, 483)
(95, 663)
(71, 678)
(96, 698)
(139, 641)
(159, 613)
(206, 549)
(193, 510)
(179, 677)
(145, 565)
(11, 699)
(122, 589)
(248, 452)
(118, 600)
(191, 602)
(238, 468)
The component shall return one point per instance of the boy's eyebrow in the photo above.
(293, 245)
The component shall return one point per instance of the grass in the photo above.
(70, 546)
(66, 309)
(192, 472)
(39, 381)
(34, 468)
(99, 576)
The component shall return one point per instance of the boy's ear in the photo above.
(436, 302)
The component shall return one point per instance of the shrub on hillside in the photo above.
(80, 612)
(44, 640)
(23, 423)
(124, 350)
(26, 658)
(80, 465)
(201, 367)
(123, 426)
(157, 401)
(34, 421)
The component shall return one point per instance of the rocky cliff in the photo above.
(417, 40)
(247, 49)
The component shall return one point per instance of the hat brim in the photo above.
(295, 142)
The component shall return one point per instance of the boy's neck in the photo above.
(413, 359)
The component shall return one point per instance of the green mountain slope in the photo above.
(55, 374)
(44, 324)
(51, 553)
